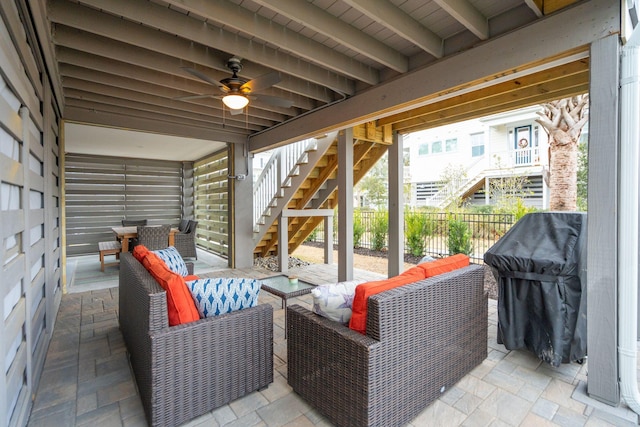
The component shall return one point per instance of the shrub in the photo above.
(379, 230)
(520, 209)
(459, 241)
(417, 229)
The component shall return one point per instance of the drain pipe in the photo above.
(628, 226)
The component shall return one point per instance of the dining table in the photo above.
(125, 233)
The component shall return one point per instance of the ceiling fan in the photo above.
(236, 91)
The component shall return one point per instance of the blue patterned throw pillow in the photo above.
(174, 261)
(217, 296)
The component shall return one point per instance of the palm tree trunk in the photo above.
(563, 167)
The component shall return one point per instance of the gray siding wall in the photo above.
(30, 216)
(101, 191)
(211, 202)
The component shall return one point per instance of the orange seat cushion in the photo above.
(358, 320)
(425, 270)
(180, 305)
(444, 265)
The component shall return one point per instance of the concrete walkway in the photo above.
(87, 380)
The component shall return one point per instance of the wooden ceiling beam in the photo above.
(170, 22)
(134, 111)
(543, 44)
(323, 22)
(465, 13)
(441, 118)
(96, 102)
(392, 17)
(169, 54)
(118, 74)
(511, 86)
(96, 117)
(81, 89)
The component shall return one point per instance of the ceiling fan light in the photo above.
(235, 102)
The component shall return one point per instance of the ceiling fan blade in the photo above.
(185, 98)
(261, 82)
(273, 100)
(224, 88)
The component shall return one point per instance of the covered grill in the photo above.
(540, 267)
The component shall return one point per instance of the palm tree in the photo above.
(563, 121)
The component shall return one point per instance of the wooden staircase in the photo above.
(314, 185)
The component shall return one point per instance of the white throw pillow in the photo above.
(334, 300)
(174, 261)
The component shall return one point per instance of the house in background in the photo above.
(497, 146)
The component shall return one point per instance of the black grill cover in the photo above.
(540, 267)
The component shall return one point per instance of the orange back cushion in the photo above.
(180, 305)
(421, 271)
(444, 265)
(358, 320)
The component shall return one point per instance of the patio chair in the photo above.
(182, 227)
(153, 236)
(185, 242)
(420, 340)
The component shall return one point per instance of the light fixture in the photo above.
(235, 102)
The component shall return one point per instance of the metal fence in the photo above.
(371, 231)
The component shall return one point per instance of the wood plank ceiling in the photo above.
(122, 62)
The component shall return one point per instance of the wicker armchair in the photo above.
(185, 371)
(421, 339)
(185, 242)
(153, 236)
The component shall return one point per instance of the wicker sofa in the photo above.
(420, 340)
(187, 370)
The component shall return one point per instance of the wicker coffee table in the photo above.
(280, 287)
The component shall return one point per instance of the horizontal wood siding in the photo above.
(30, 214)
(102, 191)
(211, 202)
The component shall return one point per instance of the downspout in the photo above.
(628, 226)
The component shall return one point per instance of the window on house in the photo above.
(477, 144)
(436, 147)
(423, 149)
(451, 145)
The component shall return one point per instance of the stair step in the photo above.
(295, 171)
(303, 160)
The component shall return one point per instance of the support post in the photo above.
(602, 227)
(345, 203)
(283, 243)
(241, 252)
(396, 207)
(328, 239)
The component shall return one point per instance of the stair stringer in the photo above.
(294, 182)
(327, 197)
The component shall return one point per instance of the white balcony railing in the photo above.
(283, 164)
(526, 156)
